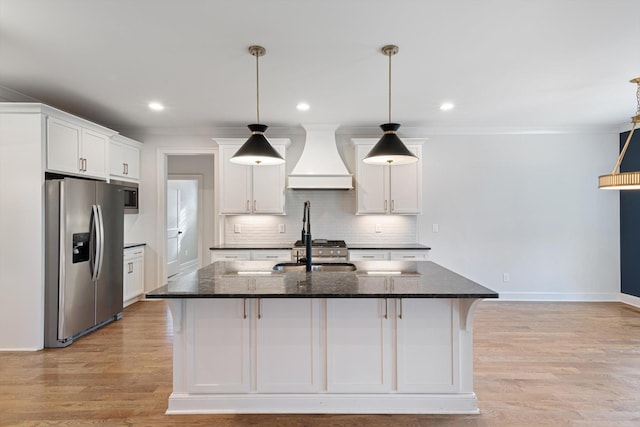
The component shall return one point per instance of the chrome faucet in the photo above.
(306, 233)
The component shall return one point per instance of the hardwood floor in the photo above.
(536, 364)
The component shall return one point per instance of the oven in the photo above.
(322, 250)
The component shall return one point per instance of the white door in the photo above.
(173, 231)
(359, 345)
(288, 345)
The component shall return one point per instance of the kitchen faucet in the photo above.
(306, 234)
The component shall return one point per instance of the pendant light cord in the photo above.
(389, 86)
(257, 90)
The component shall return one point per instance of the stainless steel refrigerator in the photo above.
(84, 223)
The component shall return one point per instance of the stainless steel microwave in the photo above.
(131, 196)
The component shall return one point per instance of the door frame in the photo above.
(161, 205)
(200, 226)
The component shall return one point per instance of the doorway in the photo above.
(184, 225)
(185, 164)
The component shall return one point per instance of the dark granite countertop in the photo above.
(133, 245)
(252, 246)
(372, 279)
(388, 246)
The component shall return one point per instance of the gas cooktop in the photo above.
(323, 243)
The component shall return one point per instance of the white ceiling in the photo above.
(519, 65)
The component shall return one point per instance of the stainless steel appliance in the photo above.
(322, 250)
(84, 225)
(130, 196)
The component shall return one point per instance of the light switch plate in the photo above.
(237, 228)
(378, 228)
(281, 228)
(435, 228)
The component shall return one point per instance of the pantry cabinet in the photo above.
(388, 189)
(124, 161)
(76, 147)
(251, 189)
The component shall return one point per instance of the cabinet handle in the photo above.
(85, 164)
(272, 256)
(409, 256)
(400, 314)
(393, 205)
(259, 308)
(368, 256)
(80, 164)
(231, 256)
(126, 166)
(254, 206)
(386, 309)
(247, 206)
(124, 169)
(244, 308)
(385, 205)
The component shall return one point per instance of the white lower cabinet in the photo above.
(288, 346)
(133, 274)
(218, 346)
(427, 351)
(359, 345)
(291, 345)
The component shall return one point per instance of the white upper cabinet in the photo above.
(124, 158)
(77, 149)
(251, 189)
(388, 189)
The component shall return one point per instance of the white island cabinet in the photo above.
(248, 340)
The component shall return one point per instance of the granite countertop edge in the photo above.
(133, 245)
(372, 279)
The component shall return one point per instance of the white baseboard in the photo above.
(560, 296)
(630, 299)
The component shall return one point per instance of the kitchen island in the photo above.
(389, 337)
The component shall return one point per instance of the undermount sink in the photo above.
(321, 266)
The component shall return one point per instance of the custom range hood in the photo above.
(320, 166)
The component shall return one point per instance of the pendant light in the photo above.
(390, 150)
(257, 150)
(617, 180)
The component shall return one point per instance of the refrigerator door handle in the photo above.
(100, 246)
(93, 233)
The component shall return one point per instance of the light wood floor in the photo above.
(536, 364)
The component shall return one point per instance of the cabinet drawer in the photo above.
(132, 253)
(275, 255)
(410, 255)
(368, 255)
(230, 256)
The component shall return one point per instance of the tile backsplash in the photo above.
(332, 217)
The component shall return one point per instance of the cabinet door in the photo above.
(218, 346)
(359, 345)
(116, 160)
(288, 346)
(411, 255)
(268, 187)
(235, 185)
(405, 185)
(372, 184)
(63, 146)
(136, 282)
(95, 150)
(131, 156)
(427, 340)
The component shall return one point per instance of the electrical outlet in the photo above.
(505, 277)
(237, 228)
(281, 228)
(378, 228)
(435, 228)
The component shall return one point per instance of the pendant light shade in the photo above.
(257, 150)
(390, 150)
(617, 180)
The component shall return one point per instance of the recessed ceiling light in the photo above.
(303, 106)
(447, 106)
(156, 106)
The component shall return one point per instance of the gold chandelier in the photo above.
(617, 180)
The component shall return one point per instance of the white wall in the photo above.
(526, 205)
(22, 231)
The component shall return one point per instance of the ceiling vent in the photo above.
(320, 166)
